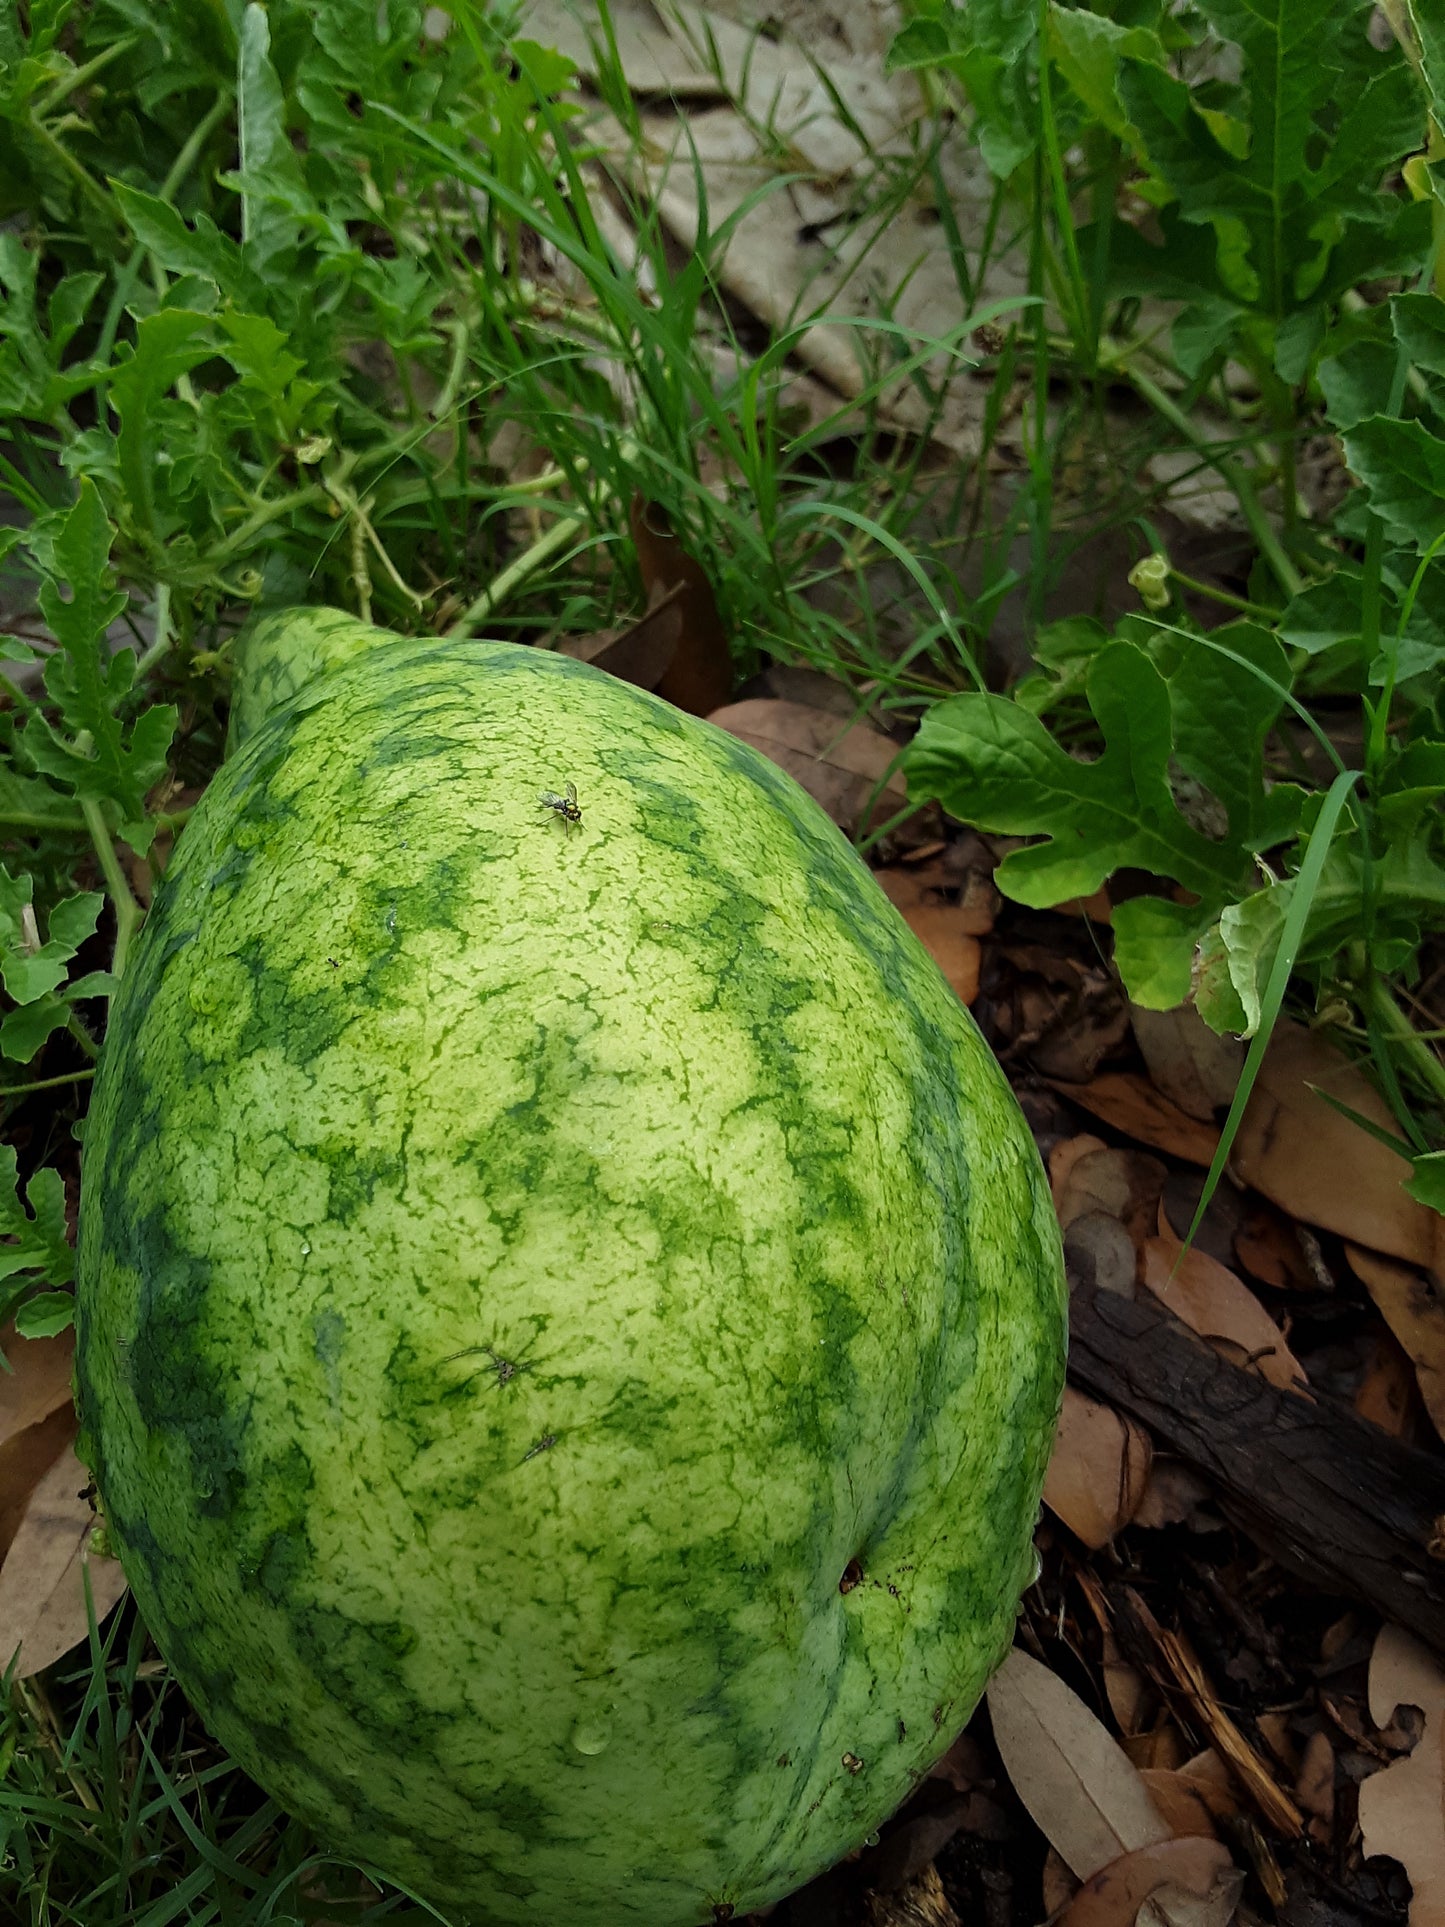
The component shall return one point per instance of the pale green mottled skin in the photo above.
(522, 1266)
(280, 652)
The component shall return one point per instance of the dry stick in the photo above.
(1329, 1496)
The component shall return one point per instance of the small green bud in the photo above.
(1151, 578)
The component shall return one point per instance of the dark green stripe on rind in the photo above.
(522, 1265)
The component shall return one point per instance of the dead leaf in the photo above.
(1161, 1747)
(927, 885)
(1126, 1185)
(1314, 1163)
(1065, 1155)
(37, 1419)
(1132, 1700)
(1113, 1896)
(39, 1379)
(699, 677)
(939, 928)
(1388, 1394)
(42, 1593)
(839, 765)
(1075, 1780)
(1099, 1252)
(1217, 1305)
(1400, 1806)
(1193, 1067)
(1174, 1496)
(639, 655)
(1314, 1787)
(1208, 1774)
(1181, 1802)
(1131, 1104)
(1098, 1471)
(1059, 1885)
(1267, 1244)
(1415, 1313)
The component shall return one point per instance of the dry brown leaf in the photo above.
(1415, 1313)
(1267, 1244)
(1131, 1698)
(1075, 1780)
(1181, 1802)
(1400, 1806)
(38, 1382)
(25, 1458)
(1314, 1786)
(1065, 1155)
(1132, 1105)
(1217, 1305)
(1113, 1896)
(1059, 1885)
(839, 765)
(1387, 1394)
(699, 676)
(42, 1591)
(1188, 1062)
(1174, 1495)
(939, 928)
(1098, 1471)
(1098, 1251)
(1314, 1163)
(639, 655)
(1214, 1782)
(914, 887)
(1126, 1185)
(1162, 1747)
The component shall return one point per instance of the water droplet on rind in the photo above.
(591, 1735)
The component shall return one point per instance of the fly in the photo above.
(566, 806)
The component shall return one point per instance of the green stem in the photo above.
(68, 83)
(1221, 596)
(127, 910)
(46, 1083)
(1419, 1060)
(161, 641)
(527, 563)
(82, 177)
(1235, 478)
(19, 820)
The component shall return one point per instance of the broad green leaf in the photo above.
(1087, 49)
(1419, 324)
(33, 1240)
(271, 177)
(1403, 466)
(24, 1030)
(1356, 382)
(47, 1313)
(202, 250)
(1426, 1183)
(994, 765)
(168, 344)
(1154, 945)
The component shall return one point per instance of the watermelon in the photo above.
(279, 652)
(571, 1321)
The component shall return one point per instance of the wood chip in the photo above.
(1415, 1313)
(1078, 1784)
(42, 1590)
(1098, 1471)
(922, 1903)
(1133, 1105)
(1317, 1165)
(1400, 1806)
(1182, 1667)
(839, 765)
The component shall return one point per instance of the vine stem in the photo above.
(530, 560)
(127, 910)
(46, 1083)
(1270, 547)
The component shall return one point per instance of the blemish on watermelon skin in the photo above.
(676, 1113)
